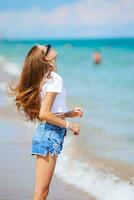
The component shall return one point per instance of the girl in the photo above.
(40, 94)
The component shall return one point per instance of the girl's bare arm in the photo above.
(72, 113)
(68, 113)
(45, 110)
(64, 115)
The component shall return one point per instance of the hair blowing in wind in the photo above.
(27, 90)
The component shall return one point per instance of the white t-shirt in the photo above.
(55, 84)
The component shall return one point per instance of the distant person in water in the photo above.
(97, 57)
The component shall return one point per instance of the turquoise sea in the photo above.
(104, 91)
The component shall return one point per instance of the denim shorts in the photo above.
(48, 138)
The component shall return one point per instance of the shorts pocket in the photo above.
(41, 135)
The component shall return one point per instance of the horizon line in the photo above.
(69, 38)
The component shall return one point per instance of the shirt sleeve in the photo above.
(54, 85)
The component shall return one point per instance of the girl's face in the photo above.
(52, 54)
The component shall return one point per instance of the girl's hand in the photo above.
(75, 128)
(77, 112)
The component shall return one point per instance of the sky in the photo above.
(29, 19)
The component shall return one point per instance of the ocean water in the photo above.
(106, 94)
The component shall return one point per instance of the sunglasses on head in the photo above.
(48, 48)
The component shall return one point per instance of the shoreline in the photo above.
(105, 165)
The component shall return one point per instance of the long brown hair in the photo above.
(27, 90)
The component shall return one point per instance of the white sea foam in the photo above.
(4, 98)
(103, 186)
(11, 68)
(3, 86)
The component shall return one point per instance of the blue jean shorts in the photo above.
(48, 138)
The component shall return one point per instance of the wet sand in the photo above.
(121, 169)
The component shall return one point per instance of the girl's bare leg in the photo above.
(44, 171)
